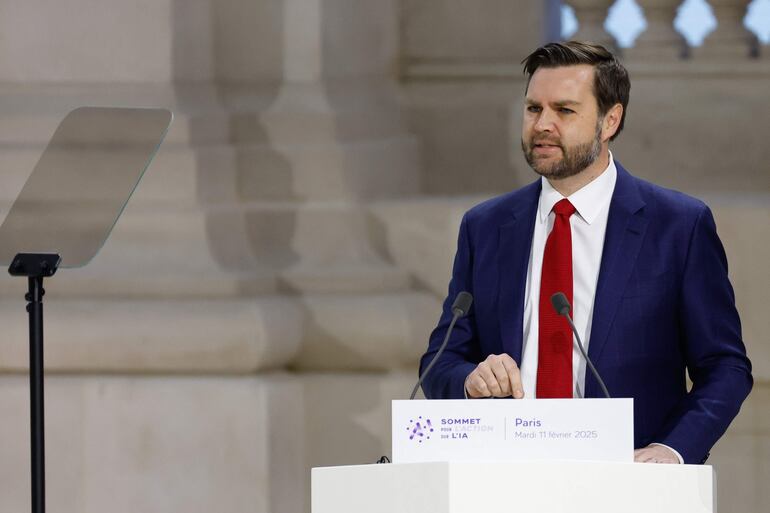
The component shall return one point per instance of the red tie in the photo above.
(554, 366)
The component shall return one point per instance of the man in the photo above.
(642, 267)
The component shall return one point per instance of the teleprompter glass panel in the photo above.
(82, 182)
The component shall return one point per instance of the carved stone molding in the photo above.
(591, 15)
(660, 41)
(731, 39)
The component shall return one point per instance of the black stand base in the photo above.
(35, 267)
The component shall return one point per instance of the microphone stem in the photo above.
(585, 356)
(438, 353)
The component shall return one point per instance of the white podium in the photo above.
(538, 486)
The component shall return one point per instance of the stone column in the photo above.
(591, 15)
(731, 39)
(310, 160)
(660, 41)
(330, 140)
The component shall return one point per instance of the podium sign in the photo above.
(507, 429)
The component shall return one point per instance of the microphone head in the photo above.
(560, 303)
(462, 304)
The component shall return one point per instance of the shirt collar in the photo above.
(588, 201)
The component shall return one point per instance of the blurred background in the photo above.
(273, 281)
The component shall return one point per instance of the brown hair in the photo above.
(611, 83)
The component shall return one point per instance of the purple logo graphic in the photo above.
(419, 429)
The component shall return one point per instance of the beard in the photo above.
(575, 158)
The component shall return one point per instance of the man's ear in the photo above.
(611, 122)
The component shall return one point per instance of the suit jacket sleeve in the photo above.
(713, 348)
(447, 378)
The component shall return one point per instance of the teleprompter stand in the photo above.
(64, 215)
(36, 267)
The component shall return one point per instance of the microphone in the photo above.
(462, 304)
(561, 304)
(460, 308)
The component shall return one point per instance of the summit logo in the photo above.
(419, 429)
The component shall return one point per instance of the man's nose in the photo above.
(545, 121)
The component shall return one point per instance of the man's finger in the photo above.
(475, 386)
(651, 456)
(501, 375)
(514, 377)
(489, 378)
(478, 387)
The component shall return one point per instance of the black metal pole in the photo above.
(37, 426)
(36, 266)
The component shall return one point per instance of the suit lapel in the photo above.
(515, 243)
(626, 226)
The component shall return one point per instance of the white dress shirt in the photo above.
(589, 224)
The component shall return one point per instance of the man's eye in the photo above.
(533, 108)
(565, 110)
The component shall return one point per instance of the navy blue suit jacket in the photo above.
(663, 304)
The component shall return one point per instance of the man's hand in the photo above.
(655, 454)
(497, 376)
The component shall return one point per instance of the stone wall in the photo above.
(272, 282)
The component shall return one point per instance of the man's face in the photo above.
(561, 132)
